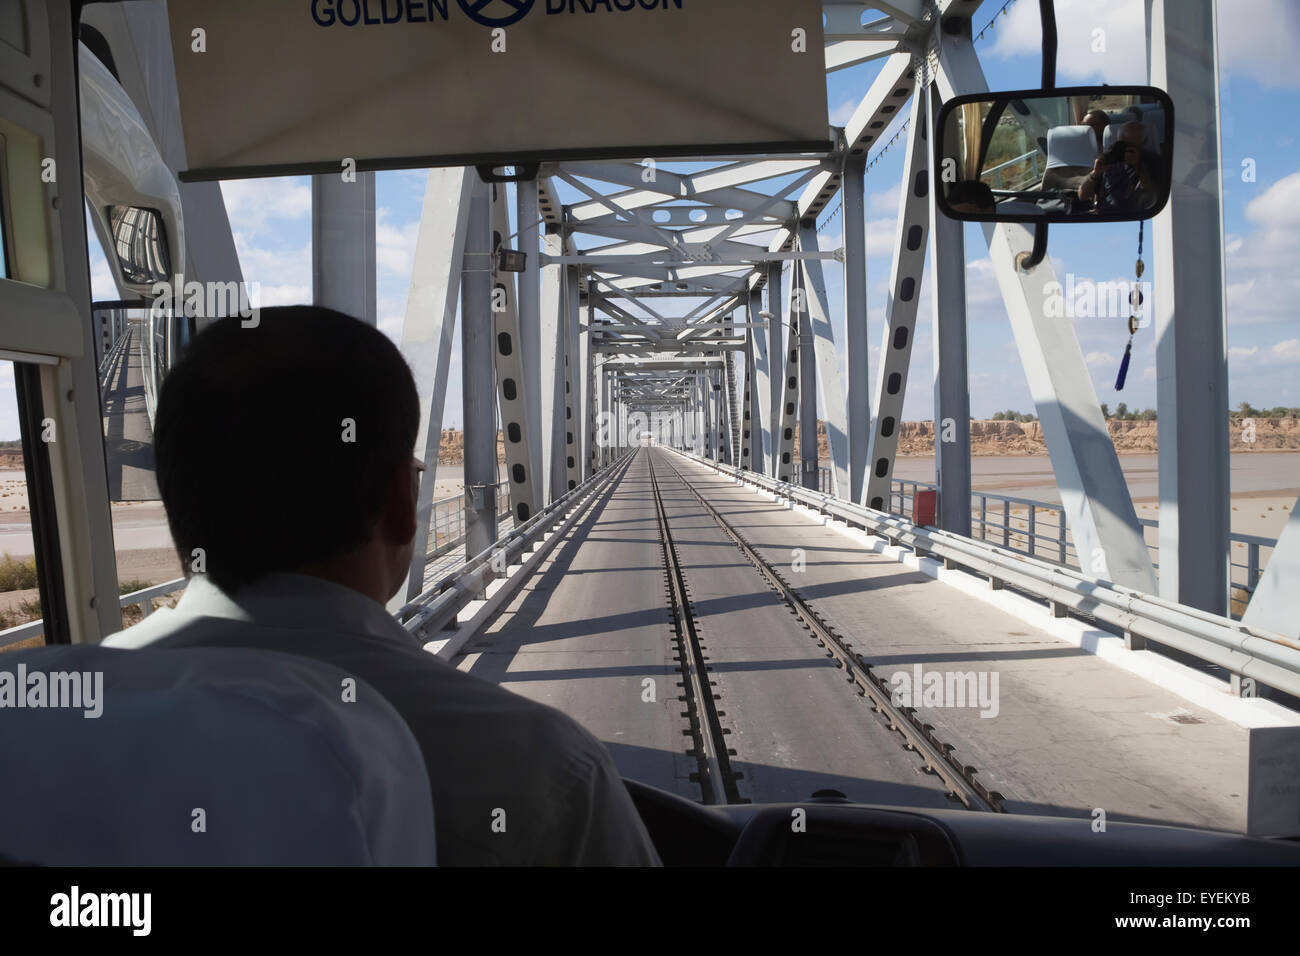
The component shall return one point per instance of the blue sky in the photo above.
(1259, 80)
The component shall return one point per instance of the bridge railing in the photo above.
(1039, 529)
(1242, 652)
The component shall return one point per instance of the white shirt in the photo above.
(513, 781)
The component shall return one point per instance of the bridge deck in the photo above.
(1072, 732)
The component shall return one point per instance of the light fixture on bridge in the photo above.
(511, 260)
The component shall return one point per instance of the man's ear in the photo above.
(399, 509)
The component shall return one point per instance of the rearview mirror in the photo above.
(1075, 154)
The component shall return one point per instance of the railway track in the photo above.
(915, 735)
(714, 774)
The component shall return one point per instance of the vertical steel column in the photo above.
(750, 441)
(552, 312)
(807, 386)
(512, 378)
(343, 244)
(1094, 495)
(527, 217)
(905, 293)
(585, 369)
(951, 378)
(427, 332)
(758, 386)
(605, 431)
(478, 396)
(777, 364)
(572, 397)
(827, 360)
(857, 391)
(1190, 327)
(785, 469)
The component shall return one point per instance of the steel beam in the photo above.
(343, 244)
(758, 387)
(571, 398)
(857, 390)
(521, 439)
(900, 318)
(553, 310)
(777, 364)
(1275, 605)
(827, 361)
(951, 377)
(529, 283)
(427, 333)
(1094, 495)
(785, 467)
(1190, 327)
(807, 384)
(478, 397)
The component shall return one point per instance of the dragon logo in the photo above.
(496, 13)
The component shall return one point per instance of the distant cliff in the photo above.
(1135, 437)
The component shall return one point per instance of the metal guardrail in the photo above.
(1039, 530)
(997, 171)
(436, 608)
(110, 361)
(1269, 658)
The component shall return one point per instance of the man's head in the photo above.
(1133, 133)
(287, 447)
(1098, 120)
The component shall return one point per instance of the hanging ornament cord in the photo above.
(1135, 315)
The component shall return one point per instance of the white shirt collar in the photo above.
(292, 601)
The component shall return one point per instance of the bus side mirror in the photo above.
(1075, 154)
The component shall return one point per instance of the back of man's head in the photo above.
(277, 444)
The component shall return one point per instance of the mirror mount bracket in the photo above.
(1026, 262)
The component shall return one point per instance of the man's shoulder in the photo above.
(517, 723)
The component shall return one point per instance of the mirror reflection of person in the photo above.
(1123, 179)
(1098, 121)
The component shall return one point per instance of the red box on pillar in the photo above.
(923, 501)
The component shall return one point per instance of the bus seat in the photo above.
(1071, 151)
(204, 757)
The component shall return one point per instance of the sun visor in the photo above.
(272, 87)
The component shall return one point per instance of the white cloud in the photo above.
(1284, 353)
(842, 112)
(885, 201)
(394, 245)
(252, 203)
(265, 296)
(1257, 39)
(1099, 359)
(1097, 39)
(1263, 282)
(1279, 205)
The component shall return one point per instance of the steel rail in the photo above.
(939, 757)
(715, 775)
(1268, 658)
